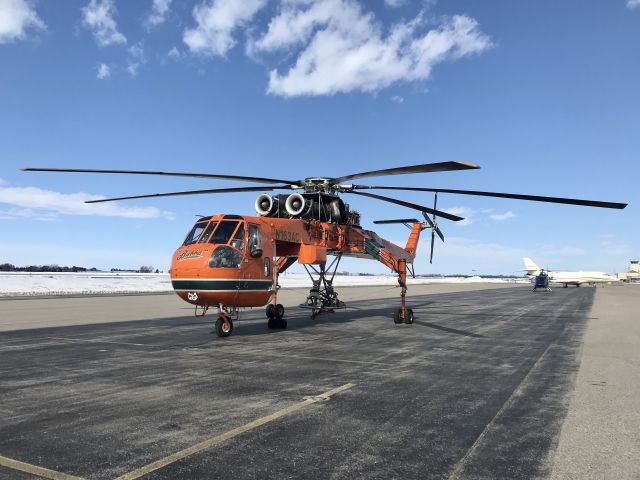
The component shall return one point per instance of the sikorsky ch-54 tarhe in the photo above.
(231, 262)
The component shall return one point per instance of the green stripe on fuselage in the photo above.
(221, 285)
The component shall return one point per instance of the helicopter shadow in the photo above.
(301, 322)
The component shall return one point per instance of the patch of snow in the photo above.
(89, 283)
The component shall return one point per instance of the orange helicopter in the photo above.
(232, 262)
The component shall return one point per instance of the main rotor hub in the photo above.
(319, 184)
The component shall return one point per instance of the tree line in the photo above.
(9, 267)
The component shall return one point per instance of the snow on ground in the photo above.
(27, 284)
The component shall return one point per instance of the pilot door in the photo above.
(256, 287)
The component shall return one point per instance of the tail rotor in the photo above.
(433, 224)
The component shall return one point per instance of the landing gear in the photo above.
(322, 297)
(275, 314)
(224, 325)
(403, 314)
(408, 316)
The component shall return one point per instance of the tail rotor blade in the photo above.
(435, 202)
(433, 238)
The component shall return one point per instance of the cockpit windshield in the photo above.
(223, 232)
(194, 234)
(207, 232)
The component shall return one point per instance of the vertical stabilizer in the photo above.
(414, 238)
(531, 267)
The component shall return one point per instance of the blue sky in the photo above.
(544, 96)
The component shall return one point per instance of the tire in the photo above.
(279, 311)
(270, 311)
(397, 316)
(277, 323)
(408, 316)
(220, 330)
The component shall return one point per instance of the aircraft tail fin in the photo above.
(531, 267)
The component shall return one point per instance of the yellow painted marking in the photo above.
(163, 462)
(35, 470)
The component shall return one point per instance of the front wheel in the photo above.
(224, 326)
(270, 311)
(397, 316)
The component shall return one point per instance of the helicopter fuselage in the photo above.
(233, 261)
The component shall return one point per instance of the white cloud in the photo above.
(499, 217)
(174, 54)
(633, 3)
(14, 213)
(397, 99)
(135, 59)
(395, 3)
(98, 17)
(16, 16)
(103, 71)
(466, 212)
(38, 203)
(343, 48)
(472, 215)
(158, 14)
(216, 22)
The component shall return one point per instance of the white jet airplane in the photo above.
(569, 278)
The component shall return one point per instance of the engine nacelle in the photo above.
(264, 204)
(295, 204)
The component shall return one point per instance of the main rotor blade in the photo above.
(172, 174)
(423, 168)
(516, 196)
(400, 220)
(420, 208)
(196, 192)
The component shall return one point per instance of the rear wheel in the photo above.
(224, 326)
(279, 311)
(397, 316)
(408, 316)
(277, 323)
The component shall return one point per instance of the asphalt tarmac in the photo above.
(478, 387)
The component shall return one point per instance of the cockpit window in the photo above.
(194, 234)
(238, 239)
(225, 257)
(207, 232)
(223, 232)
(254, 238)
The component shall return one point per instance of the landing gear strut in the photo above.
(403, 314)
(322, 297)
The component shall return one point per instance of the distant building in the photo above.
(632, 274)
